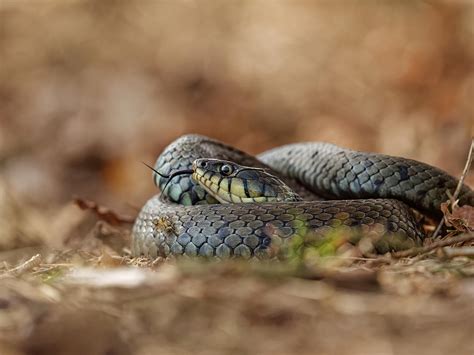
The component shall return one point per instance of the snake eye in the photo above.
(202, 164)
(226, 169)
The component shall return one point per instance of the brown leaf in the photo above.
(461, 218)
(466, 214)
(103, 212)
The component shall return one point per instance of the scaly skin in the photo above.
(338, 173)
(164, 228)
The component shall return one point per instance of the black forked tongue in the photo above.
(156, 171)
(177, 173)
(171, 176)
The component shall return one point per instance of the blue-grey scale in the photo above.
(367, 192)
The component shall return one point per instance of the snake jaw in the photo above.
(198, 177)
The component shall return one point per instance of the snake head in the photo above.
(229, 182)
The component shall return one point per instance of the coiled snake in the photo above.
(368, 192)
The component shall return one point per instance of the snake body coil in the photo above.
(371, 193)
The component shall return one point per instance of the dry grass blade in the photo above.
(464, 238)
(458, 188)
(465, 171)
(19, 270)
(449, 253)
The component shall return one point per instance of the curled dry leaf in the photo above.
(461, 218)
(103, 213)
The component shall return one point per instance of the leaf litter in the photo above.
(87, 282)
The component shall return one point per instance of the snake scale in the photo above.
(364, 191)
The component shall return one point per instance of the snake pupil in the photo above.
(226, 169)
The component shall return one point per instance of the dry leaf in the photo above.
(103, 213)
(461, 218)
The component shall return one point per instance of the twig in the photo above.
(439, 244)
(34, 261)
(458, 188)
(465, 171)
(450, 253)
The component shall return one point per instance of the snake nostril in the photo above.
(202, 164)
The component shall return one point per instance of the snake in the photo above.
(217, 201)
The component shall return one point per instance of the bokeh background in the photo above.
(90, 89)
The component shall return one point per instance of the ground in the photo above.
(95, 300)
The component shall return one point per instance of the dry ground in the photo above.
(92, 300)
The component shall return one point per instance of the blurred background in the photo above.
(90, 89)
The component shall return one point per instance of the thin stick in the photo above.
(465, 171)
(450, 253)
(453, 199)
(439, 244)
(34, 261)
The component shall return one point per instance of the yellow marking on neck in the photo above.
(255, 189)
(237, 188)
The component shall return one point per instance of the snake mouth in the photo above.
(211, 188)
